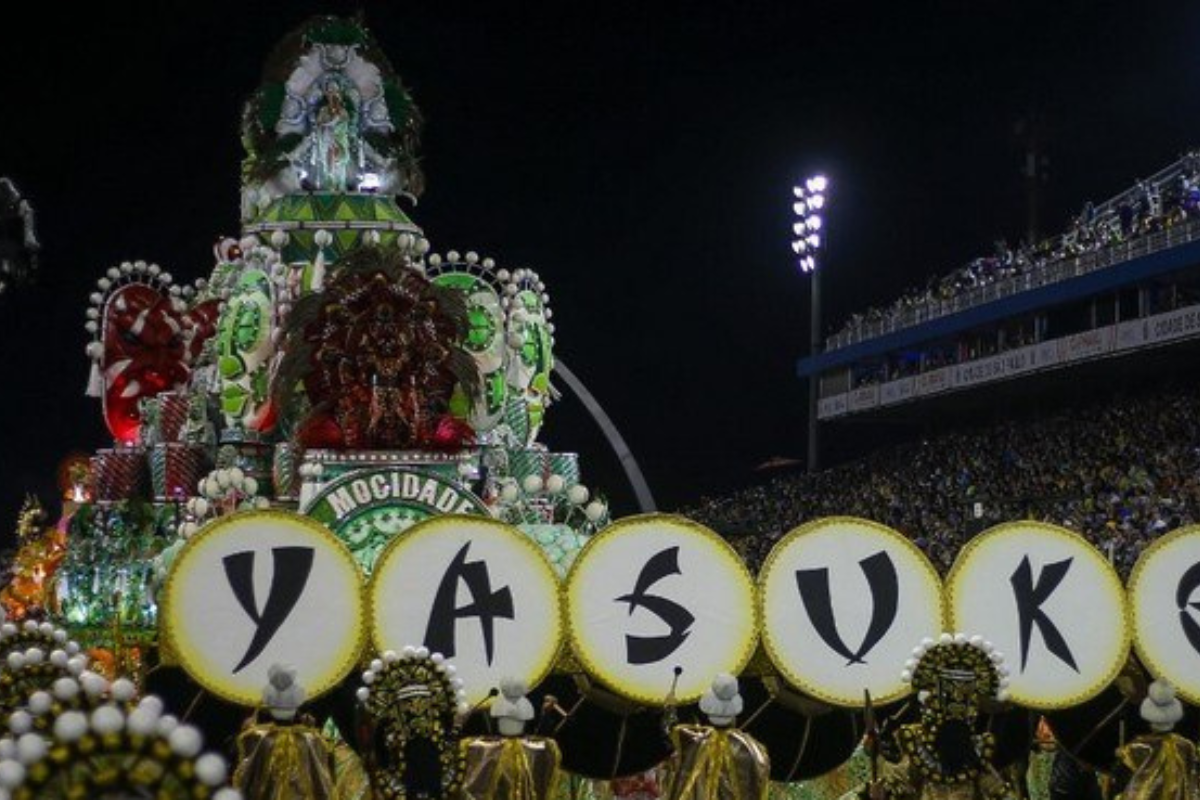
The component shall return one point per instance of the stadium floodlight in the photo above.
(808, 244)
(810, 199)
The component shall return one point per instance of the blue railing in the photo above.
(1070, 279)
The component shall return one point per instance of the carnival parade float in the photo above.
(325, 533)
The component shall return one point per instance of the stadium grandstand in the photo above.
(1054, 382)
(1119, 470)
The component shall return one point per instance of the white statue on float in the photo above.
(282, 695)
(722, 703)
(512, 709)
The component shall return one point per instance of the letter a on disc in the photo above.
(261, 588)
(477, 591)
(1050, 603)
(844, 602)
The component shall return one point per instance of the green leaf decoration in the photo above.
(270, 103)
(266, 154)
(336, 30)
(230, 366)
(233, 400)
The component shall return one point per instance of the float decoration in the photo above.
(448, 378)
(252, 282)
(531, 337)
(331, 115)
(483, 288)
(222, 492)
(113, 748)
(15, 638)
(41, 548)
(427, 372)
(145, 338)
(368, 507)
(560, 516)
(379, 353)
(105, 581)
(35, 658)
(83, 692)
(511, 338)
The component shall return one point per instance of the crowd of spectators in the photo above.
(1119, 472)
(1169, 197)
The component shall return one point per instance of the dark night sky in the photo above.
(640, 157)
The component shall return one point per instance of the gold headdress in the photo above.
(966, 668)
(414, 697)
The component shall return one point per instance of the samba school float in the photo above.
(326, 534)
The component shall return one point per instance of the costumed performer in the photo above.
(288, 758)
(940, 756)
(717, 761)
(1163, 763)
(412, 701)
(513, 765)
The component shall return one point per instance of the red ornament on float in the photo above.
(148, 348)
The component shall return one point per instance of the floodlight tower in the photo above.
(808, 244)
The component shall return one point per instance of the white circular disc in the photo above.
(1164, 598)
(1050, 602)
(260, 588)
(845, 601)
(655, 592)
(474, 589)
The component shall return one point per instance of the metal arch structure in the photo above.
(633, 473)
